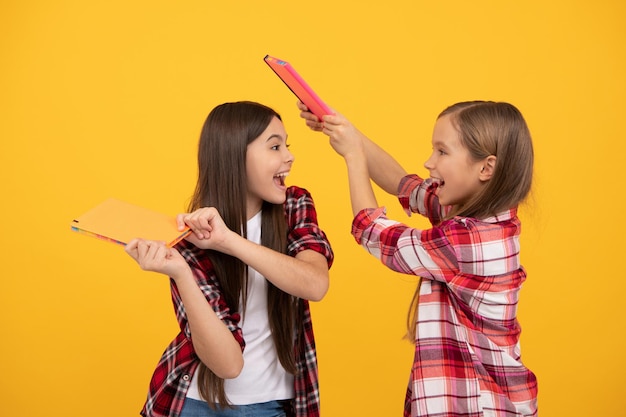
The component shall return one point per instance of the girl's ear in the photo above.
(487, 168)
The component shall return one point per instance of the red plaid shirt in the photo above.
(172, 377)
(467, 353)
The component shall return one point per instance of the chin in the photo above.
(277, 199)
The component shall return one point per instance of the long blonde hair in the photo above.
(489, 128)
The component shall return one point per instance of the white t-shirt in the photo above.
(263, 378)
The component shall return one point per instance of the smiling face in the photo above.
(450, 165)
(268, 162)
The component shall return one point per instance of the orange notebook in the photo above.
(119, 222)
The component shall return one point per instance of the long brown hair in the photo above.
(222, 183)
(490, 128)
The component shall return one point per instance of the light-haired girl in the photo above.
(463, 315)
(241, 282)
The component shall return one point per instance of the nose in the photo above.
(290, 157)
(429, 165)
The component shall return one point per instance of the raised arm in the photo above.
(382, 168)
(349, 142)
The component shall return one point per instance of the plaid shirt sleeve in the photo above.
(172, 376)
(304, 233)
(417, 195)
(459, 245)
(210, 287)
(426, 253)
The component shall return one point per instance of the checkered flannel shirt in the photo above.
(172, 377)
(467, 353)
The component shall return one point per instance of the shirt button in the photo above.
(186, 377)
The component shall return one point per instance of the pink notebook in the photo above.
(298, 86)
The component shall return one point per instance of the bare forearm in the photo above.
(304, 276)
(384, 170)
(361, 193)
(212, 340)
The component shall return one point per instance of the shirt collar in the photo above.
(501, 216)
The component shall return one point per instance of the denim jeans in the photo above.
(195, 408)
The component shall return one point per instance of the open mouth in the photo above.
(280, 178)
(438, 181)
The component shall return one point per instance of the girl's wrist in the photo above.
(230, 243)
(355, 156)
(183, 275)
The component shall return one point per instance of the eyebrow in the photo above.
(276, 135)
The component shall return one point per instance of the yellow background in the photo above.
(106, 99)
